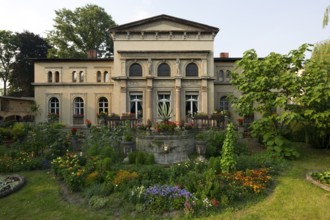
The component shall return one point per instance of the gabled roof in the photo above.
(163, 17)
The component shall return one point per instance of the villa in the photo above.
(158, 60)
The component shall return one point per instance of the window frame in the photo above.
(135, 70)
(160, 69)
(192, 70)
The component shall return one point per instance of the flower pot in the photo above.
(128, 146)
(200, 147)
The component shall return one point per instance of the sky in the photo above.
(266, 26)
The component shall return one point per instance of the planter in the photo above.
(10, 184)
(200, 147)
(128, 146)
(309, 178)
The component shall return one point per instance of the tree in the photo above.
(76, 32)
(30, 46)
(8, 51)
(286, 90)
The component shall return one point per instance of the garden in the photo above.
(90, 162)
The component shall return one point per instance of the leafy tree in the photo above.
(286, 90)
(76, 32)
(30, 46)
(8, 51)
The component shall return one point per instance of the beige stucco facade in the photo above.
(159, 60)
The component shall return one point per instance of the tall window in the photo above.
(192, 69)
(78, 107)
(74, 76)
(106, 76)
(164, 70)
(57, 76)
(54, 106)
(50, 76)
(98, 76)
(136, 105)
(227, 75)
(164, 99)
(191, 104)
(103, 105)
(221, 76)
(224, 104)
(81, 76)
(135, 70)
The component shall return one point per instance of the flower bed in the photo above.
(320, 179)
(10, 184)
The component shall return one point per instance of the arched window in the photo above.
(53, 106)
(50, 76)
(81, 76)
(192, 69)
(164, 70)
(103, 105)
(78, 107)
(135, 70)
(224, 104)
(98, 76)
(221, 76)
(57, 76)
(74, 76)
(228, 75)
(106, 76)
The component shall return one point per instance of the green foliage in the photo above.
(227, 161)
(30, 46)
(165, 112)
(104, 142)
(8, 52)
(139, 157)
(285, 89)
(323, 177)
(127, 134)
(215, 139)
(19, 130)
(76, 32)
(19, 161)
(265, 159)
(280, 147)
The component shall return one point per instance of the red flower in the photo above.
(215, 202)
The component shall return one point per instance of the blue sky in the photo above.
(266, 26)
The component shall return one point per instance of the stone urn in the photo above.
(127, 146)
(200, 146)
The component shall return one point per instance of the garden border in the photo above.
(15, 188)
(310, 179)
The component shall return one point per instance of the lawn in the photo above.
(292, 198)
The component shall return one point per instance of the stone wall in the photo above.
(167, 149)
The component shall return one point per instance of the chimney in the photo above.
(91, 54)
(224, 55)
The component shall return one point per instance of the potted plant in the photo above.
(88, 123)
(201, 115)
(74, 131)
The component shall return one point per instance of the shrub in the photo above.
(163, 198)
(215, 141)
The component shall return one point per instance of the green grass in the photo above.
(292, 198)
(40, 199)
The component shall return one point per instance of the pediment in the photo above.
(165, 23)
